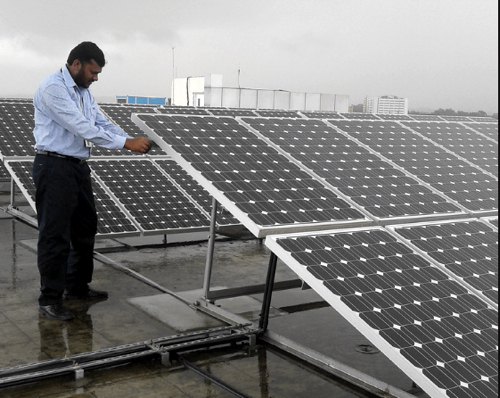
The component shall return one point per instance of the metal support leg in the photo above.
(12, 193)
(211, 250)
(268, 295)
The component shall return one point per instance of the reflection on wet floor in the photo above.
(27, 338)
(256, 372)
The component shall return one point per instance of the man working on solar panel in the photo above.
(67, 123)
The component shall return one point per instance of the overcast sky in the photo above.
(437, 53)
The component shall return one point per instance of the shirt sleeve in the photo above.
(62, 109)
(103, 122)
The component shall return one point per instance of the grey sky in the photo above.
(438, 53)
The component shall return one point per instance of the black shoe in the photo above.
(91, 294)
(56, 311)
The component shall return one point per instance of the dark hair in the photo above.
(86, 52)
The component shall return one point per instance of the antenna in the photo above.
(239, 73)
(173, 75)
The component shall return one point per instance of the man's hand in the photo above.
(139, 144)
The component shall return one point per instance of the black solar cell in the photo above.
(150, 198)
(16, 129)
(322, 115)
(462, 182)
(359, 116)
(463, 141)
(488, 129)
(112, 220)
(231, 112)
(469, 249)
(183, 111)
(247, 175)
(442, 336)
(372, 183)
(195, 190)
(120, 115)
(277, 113)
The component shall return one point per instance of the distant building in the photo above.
(388, 104)
(208, 91)
(137, 100)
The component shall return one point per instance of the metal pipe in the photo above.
(268, 294)
(211, 250)
(211, 378)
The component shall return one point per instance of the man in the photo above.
(67, 123)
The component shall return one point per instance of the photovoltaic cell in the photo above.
(376, 185)
(462, 182)
(455, 118)
(488, 129)
(483, 119)
(112, 220)
(322, 115)
(393, 117)
(469, 249)
(464, 142)
(428, 118)
(195, 190)
(435, 330)
(246, 175)
(16, 129)
(277, 113)
(183, 111)
(360, 116)
(120, 115)
(4, 174)
(150, 198)
(231, 112)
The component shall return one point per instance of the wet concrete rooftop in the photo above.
(136, 312)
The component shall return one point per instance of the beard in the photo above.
(80, 79)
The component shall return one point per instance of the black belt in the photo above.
(56, 155)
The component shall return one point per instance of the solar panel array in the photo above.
(262, 188)
(443, 336)
(462, 141)
(468, 249)
(373, 183)
(466, 184)
(17, 142)
(424, 293)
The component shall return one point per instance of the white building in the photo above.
(208, 91)
(387, 104)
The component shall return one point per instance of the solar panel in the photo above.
(277, 113)
(259, 186)
(360, 116)
(488, 129)
(461, 140)
(321, 115)
(468, 249)
(469, 186)
(455, 118)
(194, 190)
(483, 119)
(120, 115)
(183, 111)
(376, 185)
(393, 117)
(112, 220)
(4, 174)
(152, 200)
(441, 335)
(231, 112)
(16, 129)
(428, 118)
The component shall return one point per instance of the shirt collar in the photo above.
(68, 80)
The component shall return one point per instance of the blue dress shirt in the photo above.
(66, 115)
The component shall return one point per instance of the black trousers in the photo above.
(67, 225)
